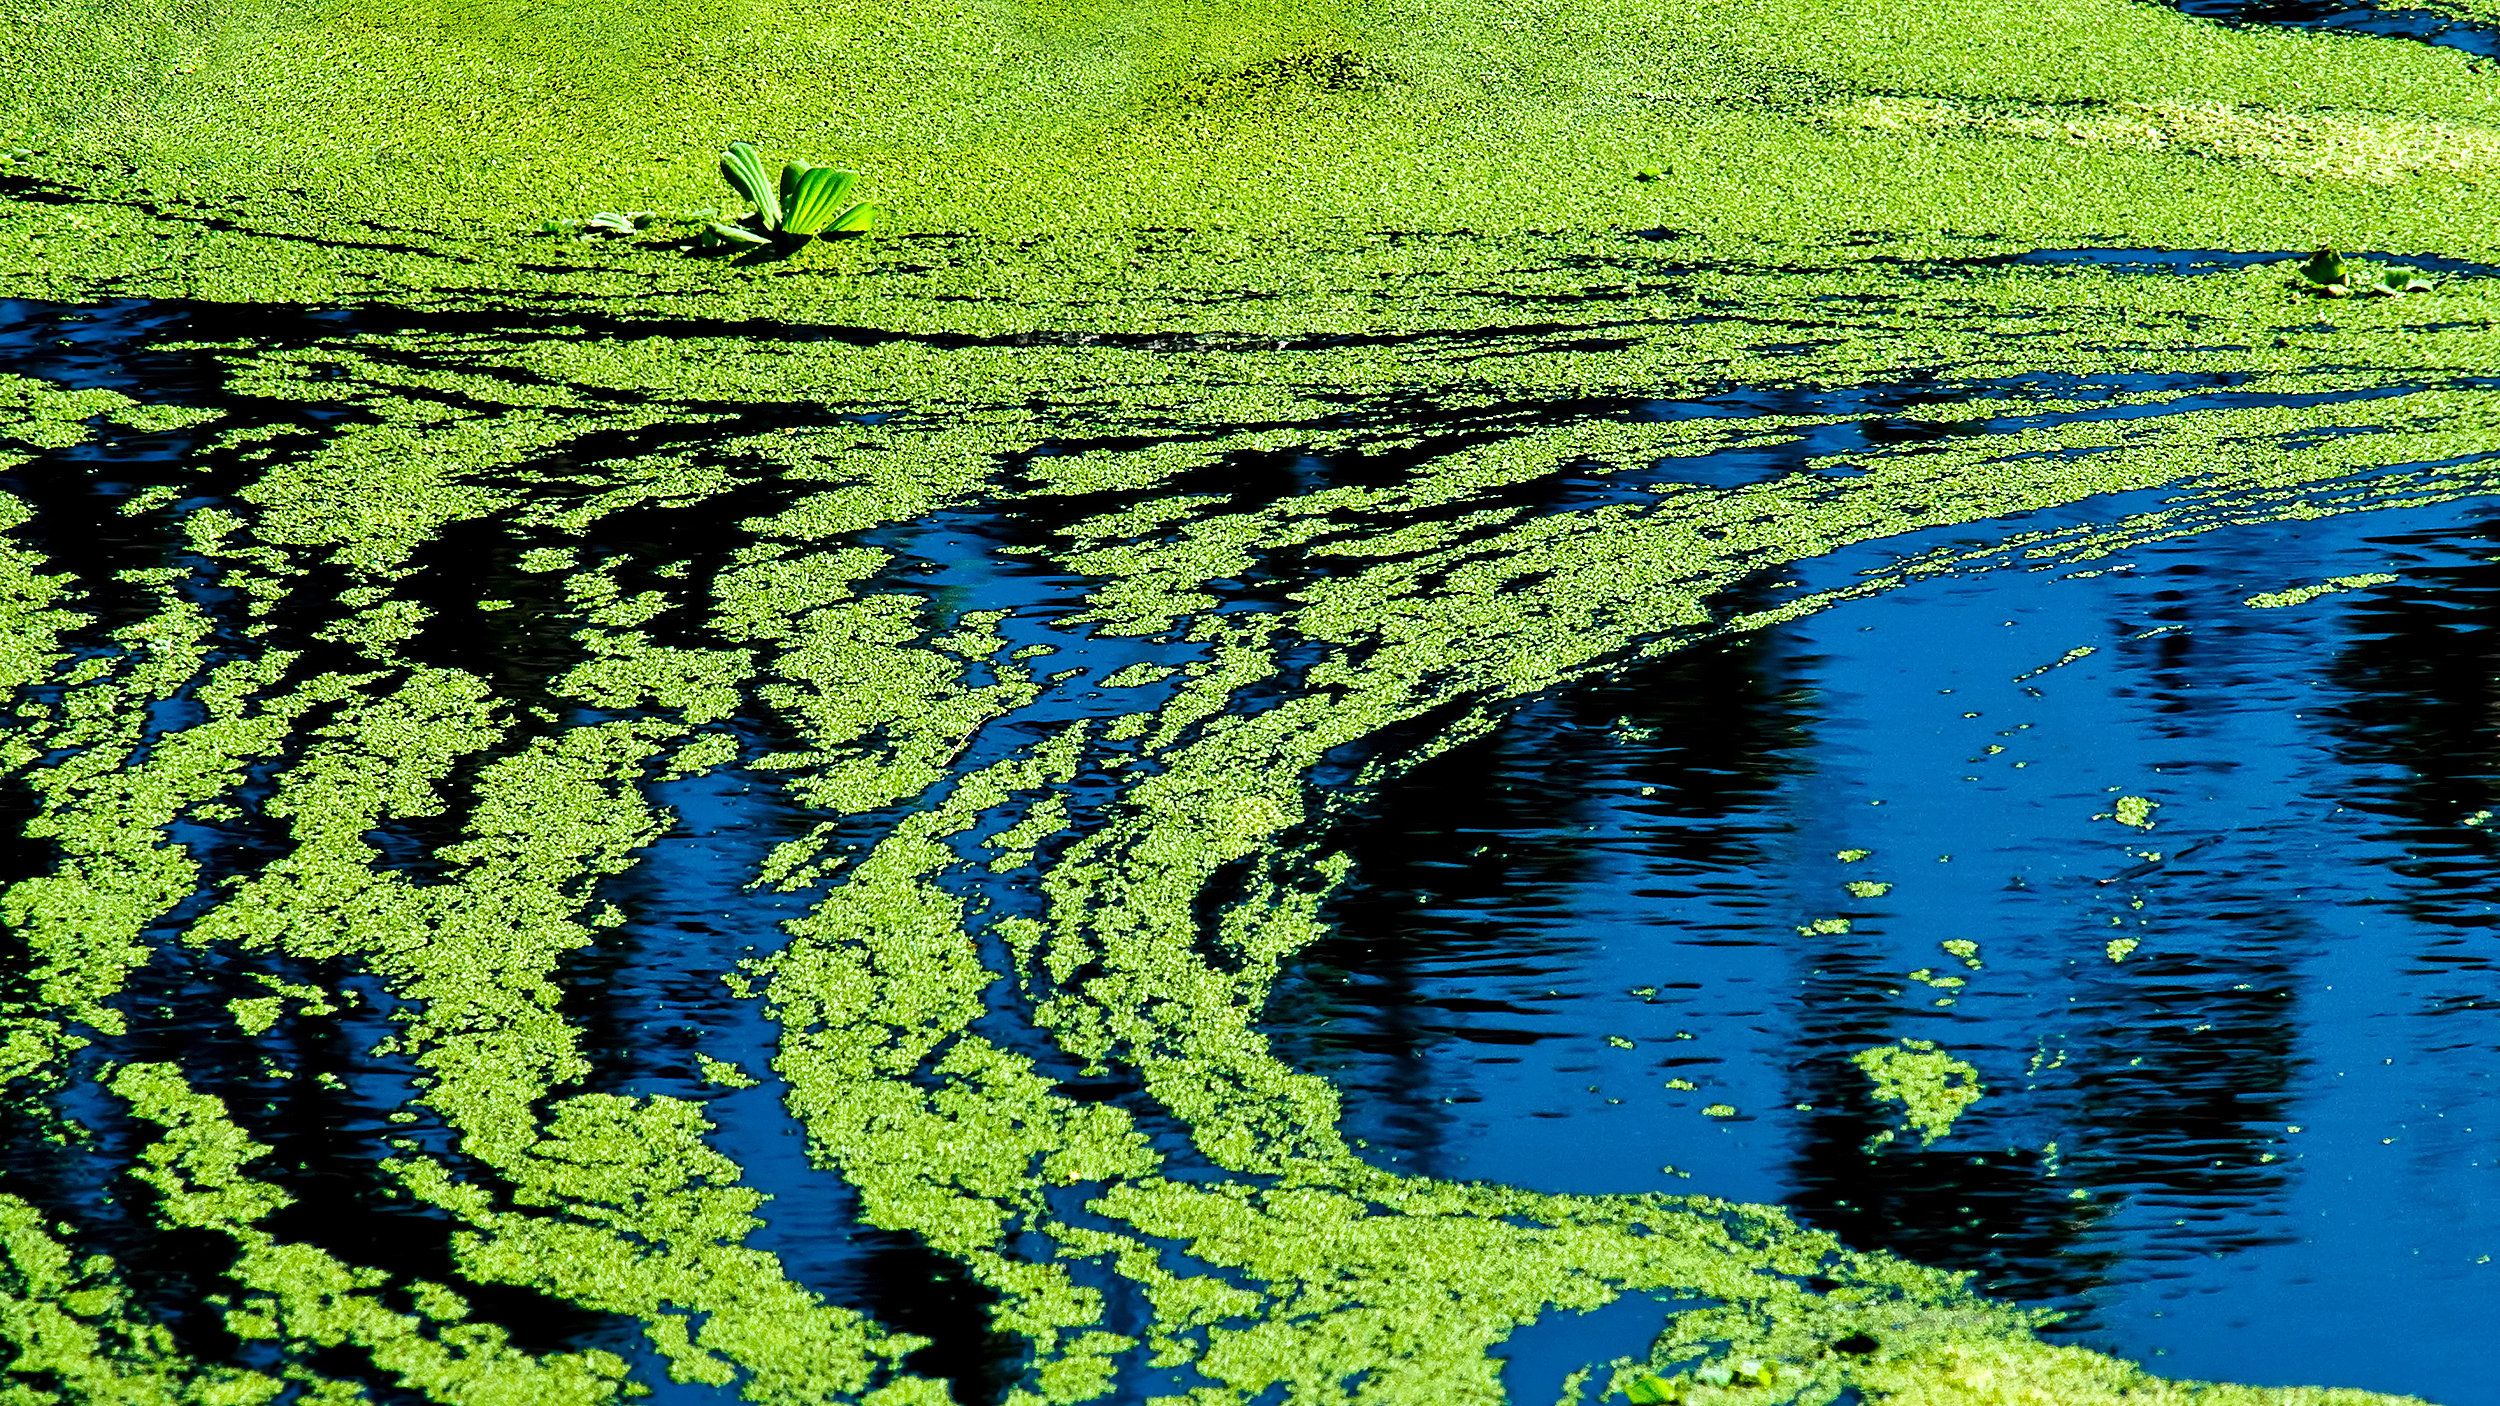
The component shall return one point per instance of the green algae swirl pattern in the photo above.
(303, 766)
(1066, 578)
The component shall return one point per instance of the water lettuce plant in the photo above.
(808, 201)
(2330, 275)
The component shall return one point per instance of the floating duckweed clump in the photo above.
(2302, 595)
(1932, 1087)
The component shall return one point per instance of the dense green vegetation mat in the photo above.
(349, 723)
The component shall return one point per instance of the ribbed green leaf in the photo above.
(2325, 266)
(855, 220)
(791, 174)
(745, 170)
(818, 201)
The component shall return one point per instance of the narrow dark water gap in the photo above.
(2240, 1114)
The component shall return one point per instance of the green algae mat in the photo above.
(1054, 572)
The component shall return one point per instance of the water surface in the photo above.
(558, 862)
(2259, 1133)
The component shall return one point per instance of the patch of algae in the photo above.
(74, 1335)
(2302, 595)
(298, 1295)
(1932, 1087)
(668, 519)
(1894, 1338)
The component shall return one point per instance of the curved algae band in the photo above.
(361, 735)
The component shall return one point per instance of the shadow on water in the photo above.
(1441, 936)
(913, 1289)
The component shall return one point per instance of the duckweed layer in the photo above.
(1236, 162)
(1254, 400)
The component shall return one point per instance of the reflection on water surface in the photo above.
(2242, 1063)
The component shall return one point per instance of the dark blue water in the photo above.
(2261, 1145)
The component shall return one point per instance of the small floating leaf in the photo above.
(1646, 1390)
(2326, 268)
(718, 236)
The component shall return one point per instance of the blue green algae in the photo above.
(1141, 254)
